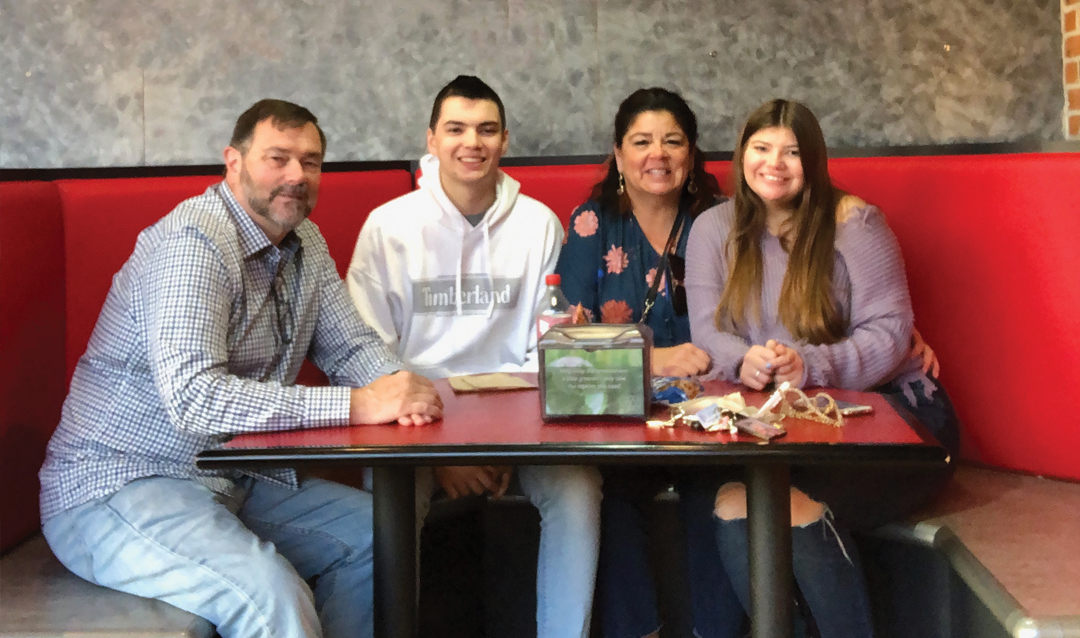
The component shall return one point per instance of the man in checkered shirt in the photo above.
(200, 338)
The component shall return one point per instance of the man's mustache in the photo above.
(299, 191)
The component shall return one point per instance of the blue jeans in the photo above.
(568, 498)
(827, 571)
(240, 561)
(628, 604)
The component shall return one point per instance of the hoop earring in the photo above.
(622, 185)
(691, 187)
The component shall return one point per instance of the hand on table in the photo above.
(921, 350)
(462, 481)
(684, 360)
(407, 398)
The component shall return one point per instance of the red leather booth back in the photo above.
(721, 170)
(561, 188)
(32, 384)
(990, 243)
(346, 200)
(102, 219)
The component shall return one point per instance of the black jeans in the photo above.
(627, 596)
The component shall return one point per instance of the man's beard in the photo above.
(261, 205)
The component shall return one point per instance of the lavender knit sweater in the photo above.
(868, 284)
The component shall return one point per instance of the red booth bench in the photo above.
(990, 244)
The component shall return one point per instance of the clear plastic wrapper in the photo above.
(674, 390)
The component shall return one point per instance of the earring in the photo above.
(691, 187)
(622, 185)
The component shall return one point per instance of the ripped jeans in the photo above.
(824, 557)
(827, 570)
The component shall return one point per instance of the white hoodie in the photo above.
(448, 297)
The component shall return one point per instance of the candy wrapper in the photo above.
(672, 390)
(727, 413)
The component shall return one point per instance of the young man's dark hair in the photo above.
(469, 87)
(283, 114)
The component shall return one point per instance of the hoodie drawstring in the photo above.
(487, 269)
(506, 192)
(457, 280)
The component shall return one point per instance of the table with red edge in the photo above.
(505, 428)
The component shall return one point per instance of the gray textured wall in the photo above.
(126, 83)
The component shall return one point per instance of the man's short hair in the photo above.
(282, 114)
(469, 87)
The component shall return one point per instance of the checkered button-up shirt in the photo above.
(201, 337)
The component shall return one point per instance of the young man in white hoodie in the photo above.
(452, 276)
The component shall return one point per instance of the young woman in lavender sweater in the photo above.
(795, 280)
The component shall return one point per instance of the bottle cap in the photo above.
(553, 280)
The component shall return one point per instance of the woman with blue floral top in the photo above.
(655, 186)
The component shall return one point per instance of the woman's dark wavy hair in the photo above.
(658, 99)
(807, 308)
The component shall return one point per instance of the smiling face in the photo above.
(772, 166)
(469, 140)
(276, 180)
(654, 157)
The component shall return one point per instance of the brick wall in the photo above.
(1070, 49)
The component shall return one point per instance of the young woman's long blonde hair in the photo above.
(807, 308)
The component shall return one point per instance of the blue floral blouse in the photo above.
(607, 264)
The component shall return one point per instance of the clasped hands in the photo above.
(462, 481)
(773, 361)
(407, 398)
(411, 399)
(776, 362)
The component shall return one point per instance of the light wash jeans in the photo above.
(239, 561)
(568, 498)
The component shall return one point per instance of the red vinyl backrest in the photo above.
(102, 219)
(721, 170)
(990, 243)
(32, 383)
(345, 201)
(562, 188)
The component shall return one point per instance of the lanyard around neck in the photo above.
(661, 267)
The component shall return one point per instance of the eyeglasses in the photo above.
(285, 319)
(821, 407)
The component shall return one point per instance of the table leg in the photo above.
(769, 528)
(395, 551)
